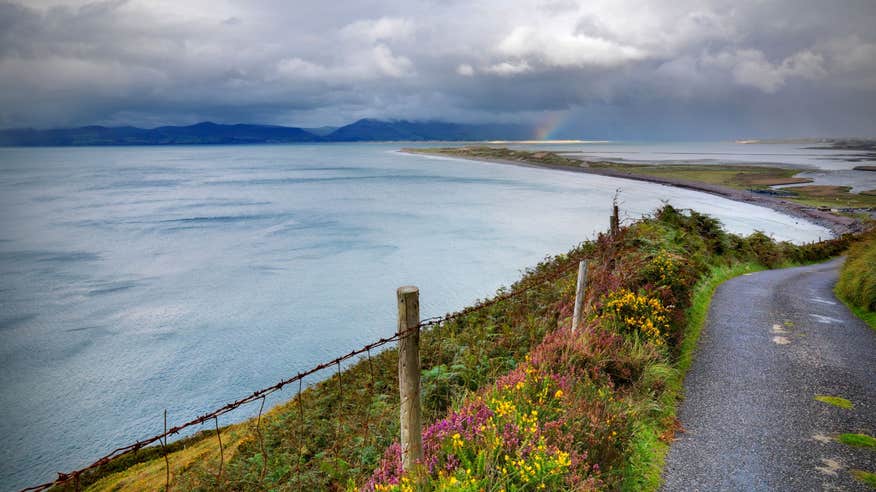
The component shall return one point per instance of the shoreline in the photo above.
(837, 224)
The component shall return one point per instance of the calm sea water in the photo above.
(138, 279)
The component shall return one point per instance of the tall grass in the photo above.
(650, 442)
(857, 282)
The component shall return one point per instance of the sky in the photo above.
(637, 69)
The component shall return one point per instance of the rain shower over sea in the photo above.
(136, 279)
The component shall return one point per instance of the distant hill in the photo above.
(201, 133)
(380, 130)
(320, 131)
(213, 133)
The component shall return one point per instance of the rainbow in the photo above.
(550, 124)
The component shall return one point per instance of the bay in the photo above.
(138, 279)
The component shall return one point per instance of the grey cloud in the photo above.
(717, 67)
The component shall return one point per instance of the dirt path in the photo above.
(773, 341)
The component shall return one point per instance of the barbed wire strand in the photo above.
(528, 285)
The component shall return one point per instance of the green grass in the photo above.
(835, 401)
(830, 196)
(857, 282)
(865, 477)
(651, 438)
(740, 177)
(550, 159)
(868, 317)
(859, 440)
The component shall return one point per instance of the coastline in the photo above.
(837, 224)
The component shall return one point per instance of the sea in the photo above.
(135, 280)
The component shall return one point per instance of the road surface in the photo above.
(774, 340)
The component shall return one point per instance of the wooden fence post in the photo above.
(615, 219)
(579, 295)
(409, 376)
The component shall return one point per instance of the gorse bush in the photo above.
(512, 399)
(663, 267)
(639, 314)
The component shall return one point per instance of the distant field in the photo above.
(754, 178)
(741, 177)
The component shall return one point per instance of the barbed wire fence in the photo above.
(73, 478)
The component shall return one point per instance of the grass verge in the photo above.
(652, 437)
(856, 287)
(868, 317)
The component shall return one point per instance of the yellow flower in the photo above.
(504, 407)
(456, 441)
(563, 459)
(558, 394)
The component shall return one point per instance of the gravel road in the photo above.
(772, 342)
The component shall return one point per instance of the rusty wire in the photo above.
(530, 284)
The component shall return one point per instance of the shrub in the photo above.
(763, 249)
(637, 314)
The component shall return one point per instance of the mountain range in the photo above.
(370, 130)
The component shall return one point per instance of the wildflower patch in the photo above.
(639, 314)
(519, 435)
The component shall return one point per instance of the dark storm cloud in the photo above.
(614, 69)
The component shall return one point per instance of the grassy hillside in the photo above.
(857, 283)
(512, 398)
